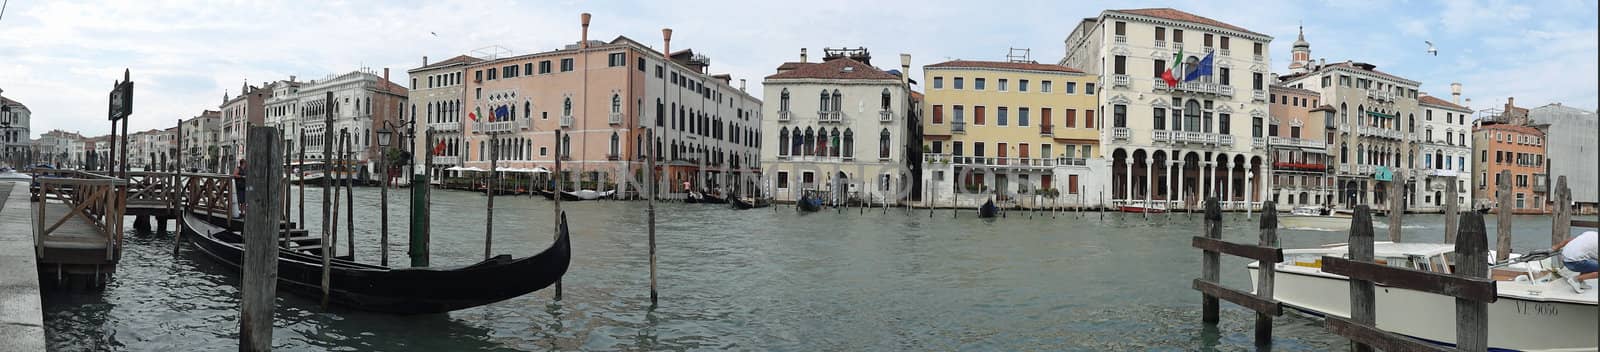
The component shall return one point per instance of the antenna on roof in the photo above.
(491, 52)
(1023, 55)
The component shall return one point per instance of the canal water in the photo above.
(764, 279)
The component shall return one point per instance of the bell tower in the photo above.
(1301, 54)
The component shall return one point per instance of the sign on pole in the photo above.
(121, 98)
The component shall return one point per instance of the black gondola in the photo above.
(988, 210)
(400, 291)
(748, 203)
(809, 203)
(708, 198)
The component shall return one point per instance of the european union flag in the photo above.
(1202, 68)
(501, 114)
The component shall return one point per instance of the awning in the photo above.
(539, 170)
(1383, 115)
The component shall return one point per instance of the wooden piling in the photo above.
(491, 184)
(260, 267)
(383, 207)
(327, 196)
(1267, 271)
(349, 197)
(557, 175)
(302, 175)
(1472, 317)
(1211, 260)
(1452, 209)
(1503, 218)
(1362, 309)
(1562, 218)
(183, 190)
(650, 206)
(1397, 204)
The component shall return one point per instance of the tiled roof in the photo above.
(1026, 66)
(459, 59)
(1176, 15)
(792, 65)
(1288, 89)
(1431, 100)
(1374, 71)
(8, 101)
(836, 69)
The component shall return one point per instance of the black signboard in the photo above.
(121, 98)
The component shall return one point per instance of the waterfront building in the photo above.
(435, 100)
(1377, 119)
(202, 139)
(1446, 148)
(363, 100)
(842, 125)
(56, 148)
(1197, 139)
(602, 97)
(1570, 150)
(1503, 141)
(1297, 145)
(1009, 127)
(238, 114)
(281, 108)
(15, 123)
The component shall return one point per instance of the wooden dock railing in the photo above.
(1469, 285)
(1266, 252)
(96, 199)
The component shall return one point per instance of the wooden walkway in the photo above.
(21, 309)
(77, 241)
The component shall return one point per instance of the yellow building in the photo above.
(1019, 130)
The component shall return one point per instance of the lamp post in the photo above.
(385, 139)
(418, 183)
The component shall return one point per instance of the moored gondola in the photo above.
(809, 203)
(743, 203)
(394, 290)
(988, 210)
(709, 198)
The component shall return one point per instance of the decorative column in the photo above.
(1127, 178)
(1168, 174)
(1150, 182)
(1226, 191)
(1177, 183)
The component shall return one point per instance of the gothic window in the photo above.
(838, 101)
(783, 100)
(783, 141)
(849, 145)
(616, 104)
(885, 99)
(883, 144)
(825, 101)
(566, 108)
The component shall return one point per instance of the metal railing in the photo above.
(992, 161)
(885, 116)
(445, 126)
(1046, 130)
(495, 127)
(958, 126)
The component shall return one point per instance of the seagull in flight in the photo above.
(1431, 49)
(434, 34)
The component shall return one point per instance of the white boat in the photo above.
(1315, 218)
(586, 194)
(1539, 314)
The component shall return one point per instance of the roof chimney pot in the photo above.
(802, 55)
(585, 17)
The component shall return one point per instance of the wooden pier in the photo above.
(78, 224)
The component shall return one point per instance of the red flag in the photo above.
(439, 149)
(473, 115)
(1172, 81)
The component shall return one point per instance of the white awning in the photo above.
(539, 170)
(458, 168)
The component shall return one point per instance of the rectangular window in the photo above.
(977, 149)
(1044, 151)
(938, 147)
(511, 71)
(1177, 35)
(958, 83)
(1022, 85)
(978, 84)
(1044, 117)
(1120, 64)
(566, 64)
(617, 59)
(1224, 43)
(491, 74)
(1161, 33)
(1160, 67)
(977, 115)
(1119, 115)
(938, 83)
(477, 76)
(1044, 86)
(1088, 88)
(1159, 117)
(1294, 132)
(938, 114)
(1122, 28)
(641, 65)
(1225, 76)
(1072, 87)
(1207, 40)
(1002, 114)
(1071, 118)
(545, 67)
(1022, 117)
(956, 148)
(1088, 118)
(1072, 184)
(1258, 48)
(1004, 84)
(1255, 80)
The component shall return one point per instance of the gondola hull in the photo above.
(809, 204)
(399, 291)
(742, 203)
(988, 210)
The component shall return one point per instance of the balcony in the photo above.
(1281, 165)
(783, 115)
(445, 126)
(1258, 142)
(1121, 133)
(1069, 161)
(566, 121)
(1186, 137)
(1046, 130)
(1258, 58)
(1007, 162)
(1379, 95)
(525, 123)
(1161, 43)
(495, 126)
(1196, 87)
(885, 116)
(446, 160)
(1177, 45)
(1259, 95)
(1120, 39)
(615, 119)
(958, 126)
(829, 116)
(1120, 81)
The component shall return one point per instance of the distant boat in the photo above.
(988, 210)
(1141, 208)
(394, 290)
(743, 203)
(809, 203)
(587, 194)
(712, 199)
(1315, 218)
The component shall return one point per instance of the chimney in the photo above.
(666, 43)
(1469, 103)
(741, 85)
(1455, 93)
(802, 55)
(905, 70)
(585, 43)
(291, 78)
(386, 78)
(424, 60)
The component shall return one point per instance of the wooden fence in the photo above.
(96, 199)
(1266, 251)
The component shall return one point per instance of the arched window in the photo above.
(885, 102)
(512, 115)
(838, 101)
(783, 100)
(616, 103)
(430, 112)
(783, 141)
(1361, 116)
(1360, 154)
(1191, 115)
(849, 143)
(883, 144)
(825, 101)
(833, 142)
(566, 108)
(811, 142)
(527, 109)
(615, 144)
(413, 111)
(1344, 114)
(566, 145)
(1344, 153)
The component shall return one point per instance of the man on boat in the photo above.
(1579, 254)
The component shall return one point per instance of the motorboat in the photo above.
(1140, 207)
(585, 194)
(1317, 218)
(1537, 309)
(742, 203)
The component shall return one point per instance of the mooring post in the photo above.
(260, 267)
(1503, 218)
(1361, 294)
(491, 184)
(1211, 261)
(183, 190)
(327, 195)
(349, 195)
(301, 173)
(1266, 272)
(1452, 210)
(650, 206)
(1561, 221)
(557, 198)
(1397, 204)
(338, 160)
(383, 206)
(1472, 317)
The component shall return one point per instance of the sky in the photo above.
(60, 57)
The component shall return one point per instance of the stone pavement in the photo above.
(21, 311)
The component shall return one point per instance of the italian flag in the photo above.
(1172, 81)
(474, 114)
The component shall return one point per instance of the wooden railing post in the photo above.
(260, 267)
(1362, 310)
(1472, 317)
(1397, 204)
(1503, 218)
(1562, 218)
(1452, 209)
(1264, 280)
(1212, 260)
